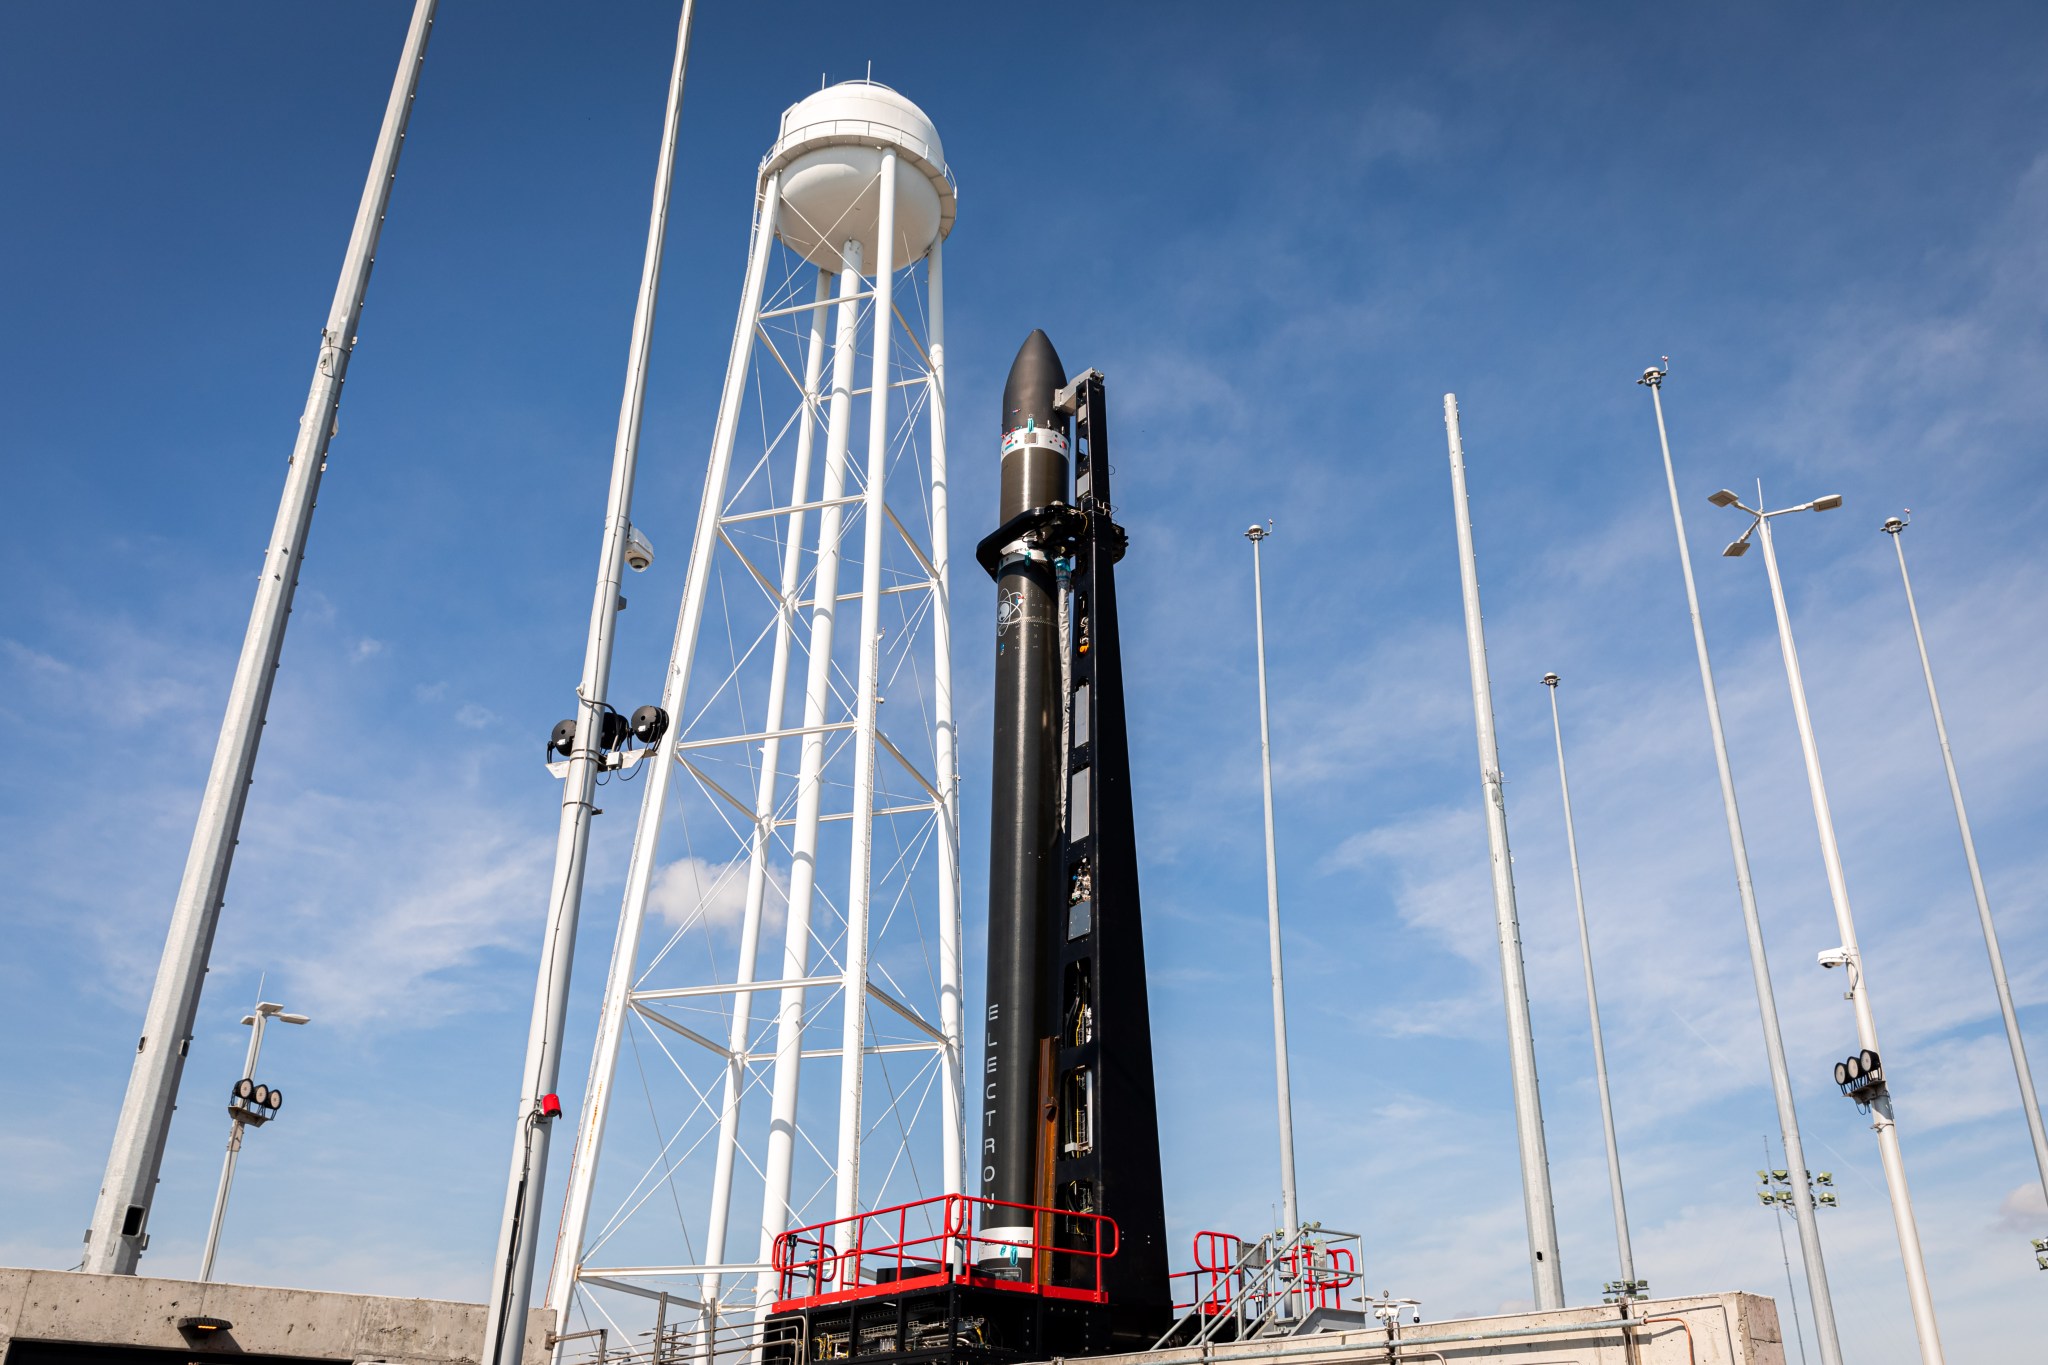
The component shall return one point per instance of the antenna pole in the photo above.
(512, 1278)
(1571, 843)
(1538, 1207)
(120, 1219)
(1289, 1205)
(1893, 527)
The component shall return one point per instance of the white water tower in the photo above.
(791, 910)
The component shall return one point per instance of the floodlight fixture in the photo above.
(1827, 503)
(1725, 498)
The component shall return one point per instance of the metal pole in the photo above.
(1538, 1208)
(952, 1081)
(762, 839)
(120, 1218)
(1571, 843)
(1917, 1292)
(227, 1169)
(1829, 1340)
(854, 977)
(512, 1281)
(1289, 1205)
(640, 865)
(818, 693)
(2021, 1070)
(265, 1010)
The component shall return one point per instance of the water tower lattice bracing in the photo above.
(780, 1039)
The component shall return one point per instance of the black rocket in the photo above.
(1069, 1117)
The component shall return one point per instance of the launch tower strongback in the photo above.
(1064, 1252)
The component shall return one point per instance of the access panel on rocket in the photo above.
(1069, 1115)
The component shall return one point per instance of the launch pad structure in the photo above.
(801, 784)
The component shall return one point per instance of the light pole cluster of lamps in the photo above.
(251, 1104)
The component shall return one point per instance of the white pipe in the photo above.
(120, 1218)
(2021, 1070)
(654, 800)
(1829, 1339)
(1290, 1206)
(803, 872)
(762, 840)
(512, 1269)
(859, 890)
(1917, 1291)
(1571, 841)
(1538, 1207)
(945, 749)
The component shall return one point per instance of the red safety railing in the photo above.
(1325, 1274)
(933, 1241)
(1216, 1284)
(1213, 1281)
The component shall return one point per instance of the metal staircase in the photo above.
(1280, 1285)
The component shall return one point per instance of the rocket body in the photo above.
(1025, 872)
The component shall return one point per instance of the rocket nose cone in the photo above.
(1035, 375)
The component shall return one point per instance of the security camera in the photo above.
(639, 550)
(1836, 957)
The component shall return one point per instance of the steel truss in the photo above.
(811, 791)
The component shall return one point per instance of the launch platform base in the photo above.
(938, 1325)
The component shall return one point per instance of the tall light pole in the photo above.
(1290, 1207)
(1825, 1333)
(1878, 1098)
(539, 1106)
(1630, 1287)
(1892, 527)
(1539, 1209)
(120, 1218)
(243, 1116)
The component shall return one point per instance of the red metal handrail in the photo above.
(1216, 1257)
(846, 1256)
(1325, 1271)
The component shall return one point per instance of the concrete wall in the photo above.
(128, 1310)
(1718, 1329)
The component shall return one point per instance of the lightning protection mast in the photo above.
(593, 742)
(808, 791)
(120, 1220)
(1894, 527)
(1825, 1332)
(1538, 1207)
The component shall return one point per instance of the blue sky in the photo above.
(1283, 236)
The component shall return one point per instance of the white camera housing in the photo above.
(1836, 957)
(639, 550)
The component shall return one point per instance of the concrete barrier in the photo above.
(42, 1311)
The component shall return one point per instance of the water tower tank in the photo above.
(830, 156)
